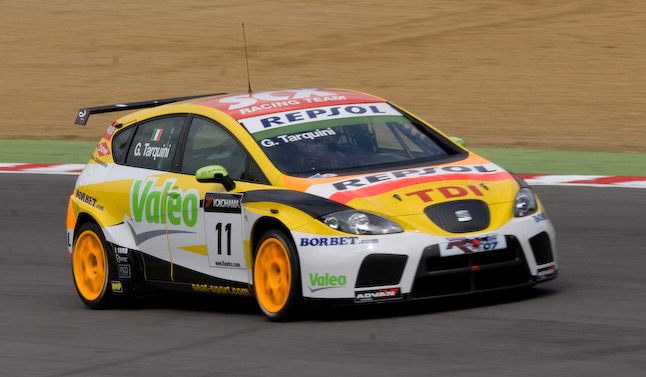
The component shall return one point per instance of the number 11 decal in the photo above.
(227, 230)
(224, 231)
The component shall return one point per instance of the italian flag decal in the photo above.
(157, 134)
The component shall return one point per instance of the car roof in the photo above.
(241, 106)
(238, 106)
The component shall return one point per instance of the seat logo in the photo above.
(463, 215)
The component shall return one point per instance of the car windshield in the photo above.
(349, 145)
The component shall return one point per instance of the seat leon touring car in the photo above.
(298, 195)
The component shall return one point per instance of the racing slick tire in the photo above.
(93, 267)
(276, 277)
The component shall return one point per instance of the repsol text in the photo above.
(354, 183)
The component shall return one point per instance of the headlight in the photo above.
(357, 222)
(525, 203)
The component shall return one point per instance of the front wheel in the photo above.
(276, 276)
(91, 267)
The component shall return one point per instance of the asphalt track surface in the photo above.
(588, 322)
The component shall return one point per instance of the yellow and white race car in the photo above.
(296, 195)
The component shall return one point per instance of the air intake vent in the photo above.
(542, 248)
(381, 269)
(460, 216)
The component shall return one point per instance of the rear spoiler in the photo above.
(84, 114)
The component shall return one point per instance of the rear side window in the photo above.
(120, 143)
(155, 143)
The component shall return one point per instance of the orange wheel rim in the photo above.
(272, 275)
(89, 265)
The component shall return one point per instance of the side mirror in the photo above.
(215, 174)
(458, 141)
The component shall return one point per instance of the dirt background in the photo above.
(566, 75)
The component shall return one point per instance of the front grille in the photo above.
(445, 215)
(470, 272)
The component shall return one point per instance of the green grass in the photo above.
(530, 161)
(46, 151)
(523, 161)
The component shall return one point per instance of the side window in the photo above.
(208, 143)
(253, 173)
(120, 143)
(155, 143)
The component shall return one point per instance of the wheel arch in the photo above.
(82, 219)
(120, 235)
(263, 225)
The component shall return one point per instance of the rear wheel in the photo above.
(91, 267)
(276, 276)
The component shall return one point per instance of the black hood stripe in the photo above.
(313, 205)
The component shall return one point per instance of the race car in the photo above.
(296, 196)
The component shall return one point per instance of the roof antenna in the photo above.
(244, 37)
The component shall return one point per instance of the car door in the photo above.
(144, 161)
(217, 255)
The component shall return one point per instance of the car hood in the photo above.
(409, 192)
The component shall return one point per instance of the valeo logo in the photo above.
(322, 281)
(163, 204)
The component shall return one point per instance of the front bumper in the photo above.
(411, 266)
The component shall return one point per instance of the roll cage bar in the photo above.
(84, 113)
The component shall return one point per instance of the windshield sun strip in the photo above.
(323, 124)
